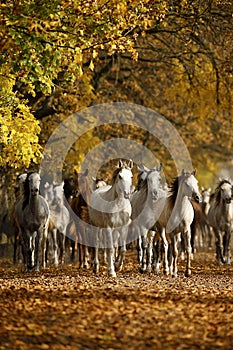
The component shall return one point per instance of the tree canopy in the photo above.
(59, 57)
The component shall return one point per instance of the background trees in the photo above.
(62, 56)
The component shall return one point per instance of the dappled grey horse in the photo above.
(220, 217)
(110, 211)
(145, 212)
(59, 219)
(32, 215)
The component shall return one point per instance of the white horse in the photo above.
(59, 219)
(177, 217)
(220, 217)
(206, 230)
(110, 211)
(145, 211)
(32, 215)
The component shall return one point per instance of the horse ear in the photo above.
(85, 172)
(75, 172)
(120, 164)
(94, 178)
(160, 167)
(130, 165)
(22, 178)
(141, 167)
(194, 172)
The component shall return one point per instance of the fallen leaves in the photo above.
(68, 308)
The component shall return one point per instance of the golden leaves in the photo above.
(65, 307)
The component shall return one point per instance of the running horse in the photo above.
(144, 212)
(59, 219)
(177, 216)
(110, 211)
(32, 216)
(220, 217)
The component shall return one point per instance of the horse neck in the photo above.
(180, 203)
(225, 207)
(140, 197)
(34, 203)
(113, 195)
(144, 192)
(205, 207)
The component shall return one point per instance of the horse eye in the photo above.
(120, 177)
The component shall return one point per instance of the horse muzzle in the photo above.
(197, 197)
(154, 195)
(34, 191)
(126, 195)
(228, 200)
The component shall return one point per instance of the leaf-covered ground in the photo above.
(68, 308)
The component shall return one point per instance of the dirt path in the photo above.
(65, 308)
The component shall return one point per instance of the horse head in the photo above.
(205, 194)
(58, 194)
(152, 178)
(122, 177)
(34, 183)
(224, 191)
(190, 185)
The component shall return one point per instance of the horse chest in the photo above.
(120, 218)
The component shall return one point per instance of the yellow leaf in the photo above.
(91, 65)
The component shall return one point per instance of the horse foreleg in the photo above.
(156, 255)
(37, 238)
(110, 251)
(86, 257)
(174, 255)
(122, 249)
(227, 247)
(96, 264)
(62, 248)
(165, 248)
(188, 248)
(143, 264)
(219, 246)
(44, 248)
(55, 246)
(25, 246)
(151, 235)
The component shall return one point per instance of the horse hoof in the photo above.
(174, 275)
(118, 267)
(149, 269)
(142, 270)
(86, 266)
(96, 269)
(112, 274)
(188, 273)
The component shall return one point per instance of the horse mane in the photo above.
(217, 192)
(173, 190)
(174, 187)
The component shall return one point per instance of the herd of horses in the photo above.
(164, 221)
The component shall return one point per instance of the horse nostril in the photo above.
(155, 195)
